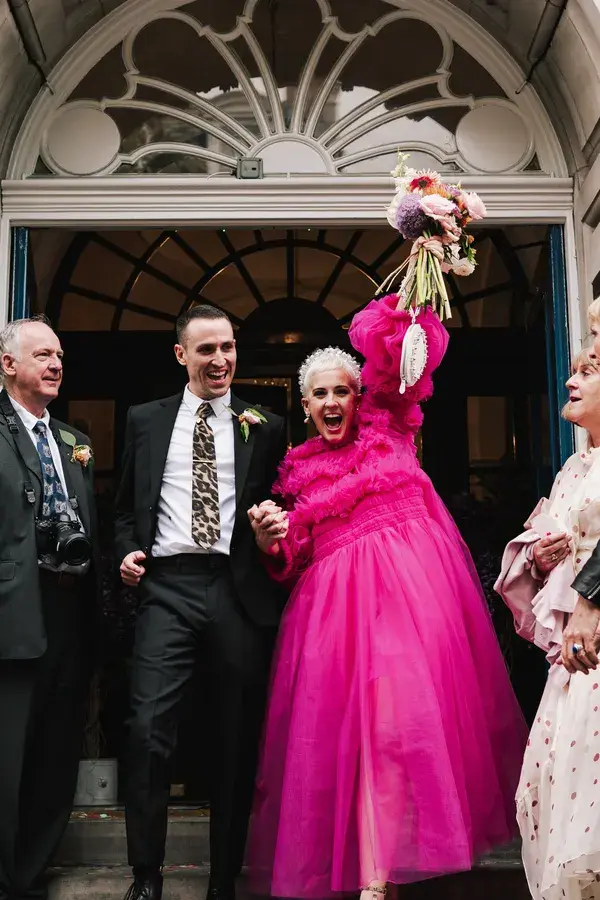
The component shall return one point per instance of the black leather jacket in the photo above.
(587, 582)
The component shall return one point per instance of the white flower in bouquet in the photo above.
(464, 266)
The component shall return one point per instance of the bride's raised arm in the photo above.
(378, 332)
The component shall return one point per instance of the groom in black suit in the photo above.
(193, 465)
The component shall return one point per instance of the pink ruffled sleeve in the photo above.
(378, 332)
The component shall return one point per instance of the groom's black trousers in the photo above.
(189, 611)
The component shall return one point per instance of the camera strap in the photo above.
(9, 414)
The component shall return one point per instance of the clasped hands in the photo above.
(270, 525)
(583, 627)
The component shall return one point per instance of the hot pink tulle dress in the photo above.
(393, 741)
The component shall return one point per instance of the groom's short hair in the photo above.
(203, 311)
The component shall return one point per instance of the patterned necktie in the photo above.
(55, 502)
(206, 523)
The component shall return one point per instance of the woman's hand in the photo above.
(270, 525)
(583, 630)
(549, 551)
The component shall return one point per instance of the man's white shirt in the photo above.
(174, 522)
(30, 421)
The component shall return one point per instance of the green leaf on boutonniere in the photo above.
(245, 429)
(256, 412)
(67, 437)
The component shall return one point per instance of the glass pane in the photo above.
(468, 77)
(348, 101)
(80, 314)
(133, 321)
(105, 80)
(220, 16)
(353, 15)
(286, 31)
(171, 259)
(397, 63)
(487, 428)
(101, 270)
(148, 291)
(268, 270)
(229, 291)
(312, 271)
(207, 243)
(351, 291)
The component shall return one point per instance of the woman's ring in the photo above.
(577, 648)
(553, 556)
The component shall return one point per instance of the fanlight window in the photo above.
(320, 87)
(295, 286)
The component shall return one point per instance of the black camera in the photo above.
(62, 541)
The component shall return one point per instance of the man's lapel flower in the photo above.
(83, 454)
(249, 417)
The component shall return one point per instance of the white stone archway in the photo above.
(521, 172)
(522, 128)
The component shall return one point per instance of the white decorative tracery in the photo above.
(503, 134)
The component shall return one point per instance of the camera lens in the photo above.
(74, 549)
(72, 545)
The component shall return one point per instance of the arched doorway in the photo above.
(115, 296)
(136, 134)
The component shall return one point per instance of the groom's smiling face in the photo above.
(208, 352)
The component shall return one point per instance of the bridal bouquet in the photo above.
(433, 215)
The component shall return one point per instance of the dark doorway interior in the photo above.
(114, 297)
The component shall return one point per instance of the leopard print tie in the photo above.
(206, 524)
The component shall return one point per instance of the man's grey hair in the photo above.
(10, 338)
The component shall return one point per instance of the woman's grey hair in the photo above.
(324, 361)
(10, 337)
(594, 312)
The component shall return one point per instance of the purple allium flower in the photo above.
(411, 221)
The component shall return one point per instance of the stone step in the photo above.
(112, 882)
(96, 837)
(486, 882)
(91, 863)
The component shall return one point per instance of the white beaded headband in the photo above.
(338, 358)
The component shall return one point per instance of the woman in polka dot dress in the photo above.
(558, 798)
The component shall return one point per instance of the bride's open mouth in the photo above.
(333, 423)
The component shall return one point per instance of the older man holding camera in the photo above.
(47, 598)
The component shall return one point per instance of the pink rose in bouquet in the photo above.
(434, 215)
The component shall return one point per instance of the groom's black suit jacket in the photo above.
(147, 439)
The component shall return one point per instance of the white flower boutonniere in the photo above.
(249, 417)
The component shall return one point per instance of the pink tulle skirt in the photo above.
(393, 741)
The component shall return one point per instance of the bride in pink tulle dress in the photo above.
(393, 741)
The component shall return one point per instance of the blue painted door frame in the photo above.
(558, 362)
(19, 274)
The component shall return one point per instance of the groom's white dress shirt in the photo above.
(174, 522)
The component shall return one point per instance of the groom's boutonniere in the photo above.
(81, 453)
(249, 417)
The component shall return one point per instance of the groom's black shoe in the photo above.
(221, 890)
(147, 885)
